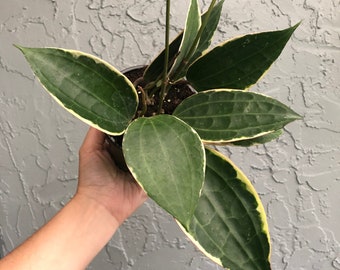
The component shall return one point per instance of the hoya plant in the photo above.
(168, 116)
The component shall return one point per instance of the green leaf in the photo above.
(224, 115)
(86, 86)
(208, 31)
(229, 224)
(259, 140)
(167, 158)
(155, 69)
(238, 63)
(192, 27)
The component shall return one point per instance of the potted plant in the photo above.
(166, 117)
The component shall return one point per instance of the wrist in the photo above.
(97, 208)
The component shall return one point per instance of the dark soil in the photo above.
(175, 96)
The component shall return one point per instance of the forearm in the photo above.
(105, 197)
(69, 241)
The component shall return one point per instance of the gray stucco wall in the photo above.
(297, 176)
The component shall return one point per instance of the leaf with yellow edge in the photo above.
(225, 115)
(167, 158)
(86, 86)
(229, 224)
(240, 62)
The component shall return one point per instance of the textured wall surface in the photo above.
(297, 176)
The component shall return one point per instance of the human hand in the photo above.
(101, 180)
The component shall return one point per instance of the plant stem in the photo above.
(144, 101)
(165, 80)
